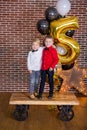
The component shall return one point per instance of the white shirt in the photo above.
(34, 60)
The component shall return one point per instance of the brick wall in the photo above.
(18, 20)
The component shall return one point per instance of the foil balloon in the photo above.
(70, 47)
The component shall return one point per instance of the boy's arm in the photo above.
(55, 59)
(28, 62)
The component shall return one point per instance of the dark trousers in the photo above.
(50, 80)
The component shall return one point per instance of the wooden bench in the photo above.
(64, 103)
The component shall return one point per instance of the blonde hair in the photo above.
(37, 40)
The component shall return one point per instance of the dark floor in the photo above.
(41, 118)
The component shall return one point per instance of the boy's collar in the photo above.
(34, 50)
(47, 48)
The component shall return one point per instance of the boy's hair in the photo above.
(49, 37)
(37, 41)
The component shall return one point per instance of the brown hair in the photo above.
(49, 37)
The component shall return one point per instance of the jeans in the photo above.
(50, 80)
(34, 81)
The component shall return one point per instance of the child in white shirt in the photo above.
(34, 62)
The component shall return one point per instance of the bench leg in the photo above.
(65, 112)
(21, 112)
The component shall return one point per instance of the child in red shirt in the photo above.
(49, 60)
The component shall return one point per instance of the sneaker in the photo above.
(32, 96)
(35, 94)
(39, 96)
(50, 96)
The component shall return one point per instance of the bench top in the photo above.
(58, 99)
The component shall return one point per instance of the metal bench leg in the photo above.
(21, 112)
(65, 112)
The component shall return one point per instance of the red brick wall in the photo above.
(18, 20)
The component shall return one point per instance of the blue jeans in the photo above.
(34, 81)
(50, 80)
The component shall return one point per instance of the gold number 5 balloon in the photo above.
(69, 47)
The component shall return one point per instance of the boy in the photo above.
(34, 62)
(49, 61)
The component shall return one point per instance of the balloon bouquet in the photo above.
(61, 28)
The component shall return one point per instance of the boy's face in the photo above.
(35, 46)
(48, 42)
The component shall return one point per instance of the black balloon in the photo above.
(70, 33)
(68, 66)
(59, 16)
(51, 13)
(43, 26)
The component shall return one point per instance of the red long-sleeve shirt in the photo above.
(49, 58)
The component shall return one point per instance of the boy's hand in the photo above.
(30, 71)
(50, 69)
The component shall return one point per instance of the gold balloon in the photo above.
(58, 29)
